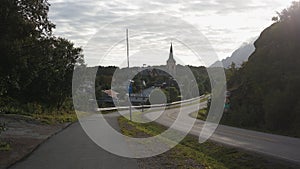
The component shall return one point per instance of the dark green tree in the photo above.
(35, 66)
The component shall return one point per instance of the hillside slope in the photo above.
(265, 90)
(238, 57)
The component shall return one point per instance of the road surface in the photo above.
(72, 149)
(281, 147)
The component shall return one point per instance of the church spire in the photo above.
(171, 52)
(171, 63)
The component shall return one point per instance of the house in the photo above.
(108, 99)
(141, 98)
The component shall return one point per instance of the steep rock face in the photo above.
(266, 88)
(238, 57)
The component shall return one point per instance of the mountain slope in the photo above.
(265, 91)
(239, 56)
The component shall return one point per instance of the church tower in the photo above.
(171, 63)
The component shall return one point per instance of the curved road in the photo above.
(282, 147)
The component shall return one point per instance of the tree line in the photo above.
(151, 77)
(36, 66)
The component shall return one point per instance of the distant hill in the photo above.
(265, 91)
(239, 56)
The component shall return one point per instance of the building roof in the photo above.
(111, 93)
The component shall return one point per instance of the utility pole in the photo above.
(169, 91)
(129, 92)
(127, 42)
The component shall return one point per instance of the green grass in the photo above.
(38, 111)
(201, 114)
(55, 118)
(210, 155)
(4, 146)
(204, 99)
(47, 118)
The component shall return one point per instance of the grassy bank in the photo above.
(37, 111)
(201, 114)
(49, 118)
(190, 154)
(4, 146)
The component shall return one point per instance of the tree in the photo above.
(35, 66)
(172, 94)
(22, 23)
(230, 71)
(291, 13)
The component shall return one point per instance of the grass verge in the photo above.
(55, 118)
(201, 114)
(47, 118)
(4, 146)
(190, 154)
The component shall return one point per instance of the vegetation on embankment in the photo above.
(265, 90)
(4, 146)
(42, 113)
(190, 154)
(200, 114)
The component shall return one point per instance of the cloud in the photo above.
(225, 23)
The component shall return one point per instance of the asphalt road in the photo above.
(72, 149)
(277, 146)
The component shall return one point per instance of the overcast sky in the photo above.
(208, 26)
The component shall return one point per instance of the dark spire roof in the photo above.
(171, 58)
